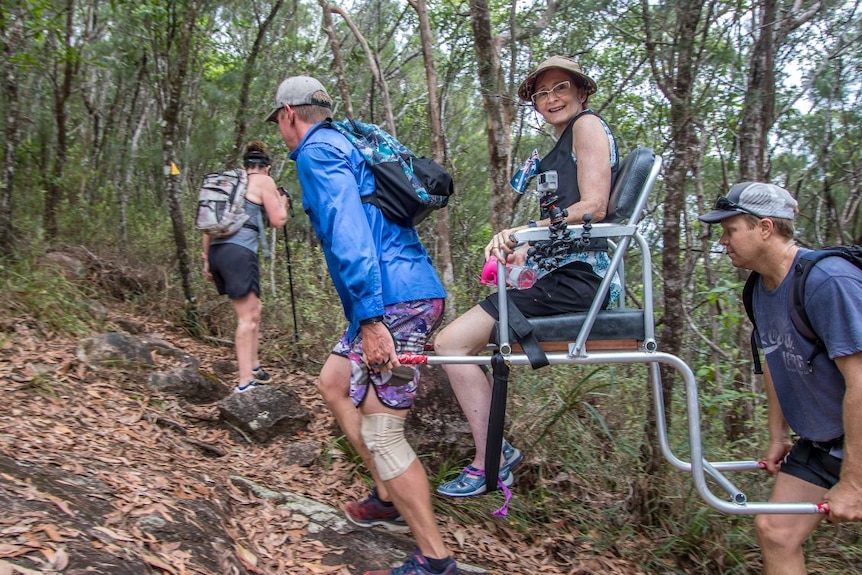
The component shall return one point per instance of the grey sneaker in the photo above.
(247, 386)
(512, 456)
(471, 481)
(260, 375)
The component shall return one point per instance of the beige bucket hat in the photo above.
(526, 89)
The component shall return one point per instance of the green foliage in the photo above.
(36, 291)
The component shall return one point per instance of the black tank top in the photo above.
(560, 159)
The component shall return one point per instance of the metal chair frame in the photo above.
(646, 352)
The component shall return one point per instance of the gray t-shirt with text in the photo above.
(811, 396)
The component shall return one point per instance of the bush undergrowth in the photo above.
(39, 293)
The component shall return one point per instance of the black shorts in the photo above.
(812, 464)
(235, 270)
(570, 289)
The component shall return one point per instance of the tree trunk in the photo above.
(62, 92)
(675, 72)
(442, 250)
(177, 57)
(249, 71)
(11, 32)
(376, 72)
(493, 97)
(758, 117)
(337, 61)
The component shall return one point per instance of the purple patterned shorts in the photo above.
(410, 324)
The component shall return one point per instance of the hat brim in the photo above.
(717, 216)
(271, 117)
(525, 90)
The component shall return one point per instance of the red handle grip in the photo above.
(413, 359)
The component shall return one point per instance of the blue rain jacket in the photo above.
(373, 261)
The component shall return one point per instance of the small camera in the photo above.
(547, 182)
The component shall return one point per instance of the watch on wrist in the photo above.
(370, 320)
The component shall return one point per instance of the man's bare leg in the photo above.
(334, 386)
(781, 536)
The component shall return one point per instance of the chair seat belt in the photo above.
(523, 331)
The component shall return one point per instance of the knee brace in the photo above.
(384, 436)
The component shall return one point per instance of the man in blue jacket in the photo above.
(392, 299)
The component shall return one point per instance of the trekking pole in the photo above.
(290, 267)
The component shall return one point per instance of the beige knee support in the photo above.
(384, 436)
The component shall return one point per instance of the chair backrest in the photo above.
(630, 185)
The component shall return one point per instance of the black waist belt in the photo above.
(830, 444)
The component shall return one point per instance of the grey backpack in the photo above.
(221, 210)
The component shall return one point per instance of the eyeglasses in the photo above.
(558, 90)
(722, 203)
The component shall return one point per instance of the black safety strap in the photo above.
(523, 331)
(496, 419)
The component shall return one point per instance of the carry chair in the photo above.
(620, 335)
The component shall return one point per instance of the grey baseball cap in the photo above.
(299, 91)
(755, 198)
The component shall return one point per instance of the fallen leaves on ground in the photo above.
(145, 449)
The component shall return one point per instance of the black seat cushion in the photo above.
(612, 324)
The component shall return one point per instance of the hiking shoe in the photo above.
(418, 565)
(471, 481)
(371, 512)
(247, 386)
(512, 457)
(260, 375)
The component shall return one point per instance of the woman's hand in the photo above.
(502, 244)
(519, 256)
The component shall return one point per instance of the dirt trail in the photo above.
(99, 467)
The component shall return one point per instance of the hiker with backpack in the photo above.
(231, 262)
(392, 300)
(585, 158)
(814, 394)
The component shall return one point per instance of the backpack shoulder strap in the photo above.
(360, 138)
(801, 321)
(748, 296)
(748, 303)
(797, 308)
(240, 188)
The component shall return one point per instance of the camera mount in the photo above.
(548, 254)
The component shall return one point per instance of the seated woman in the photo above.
(586, 159)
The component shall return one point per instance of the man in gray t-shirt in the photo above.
(821, 400)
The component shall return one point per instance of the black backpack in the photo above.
(798, 314)
(408, 187)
